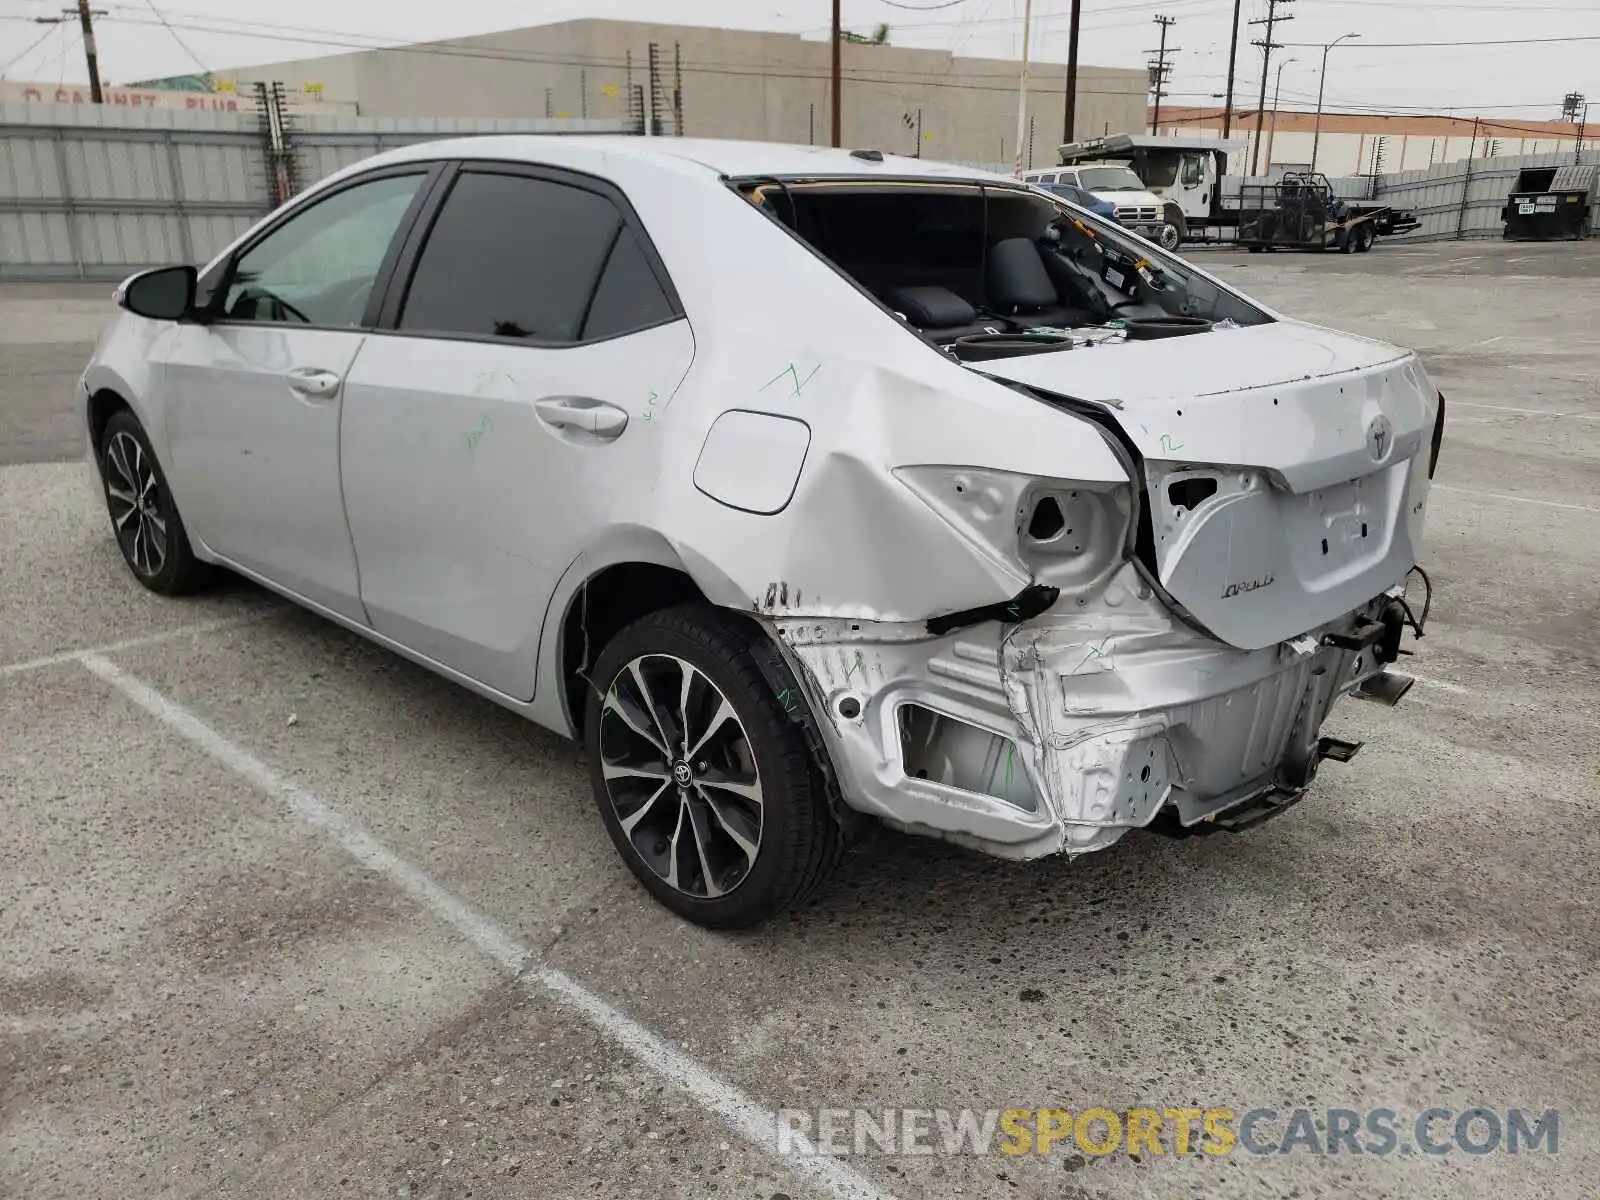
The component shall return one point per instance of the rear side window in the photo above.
(513, 257)
(629, 296)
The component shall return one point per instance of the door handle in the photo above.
(309, 381)
(594, 417)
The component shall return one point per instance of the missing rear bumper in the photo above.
(1062, 733)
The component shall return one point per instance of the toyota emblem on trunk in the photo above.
(1380, 438)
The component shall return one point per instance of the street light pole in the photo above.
(1022, 87)
(1277, 88)
(1322, 79)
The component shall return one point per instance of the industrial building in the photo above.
(1370, 143)
(731, 83)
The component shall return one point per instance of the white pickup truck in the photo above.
(1138, 208)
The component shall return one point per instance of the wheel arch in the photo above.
(631, 572)
(99, 407)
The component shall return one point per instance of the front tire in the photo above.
(705, 783)
(1173, 230)
(144, 516)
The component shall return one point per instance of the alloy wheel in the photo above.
(134, 497)
(681, 775)
(1169, 236)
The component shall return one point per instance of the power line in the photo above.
(29, 48)
(183, 44)
(1536, 41)
(324, 38)
(85, 16)
(884, 76)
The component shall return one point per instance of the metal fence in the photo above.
(1465, 199)
(1453, 200)
(88, 192)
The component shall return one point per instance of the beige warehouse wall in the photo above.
(736, 84)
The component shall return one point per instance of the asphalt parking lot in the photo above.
(283, 915)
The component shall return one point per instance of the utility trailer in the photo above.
(1300, 212)
(1201, 201)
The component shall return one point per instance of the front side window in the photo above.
(318, 268)
(514, 257)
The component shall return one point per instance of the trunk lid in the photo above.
(1286, 466)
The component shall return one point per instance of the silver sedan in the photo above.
(811, 489)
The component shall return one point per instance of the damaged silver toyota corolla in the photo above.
(807, 487)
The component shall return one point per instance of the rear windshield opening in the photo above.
(999, 271)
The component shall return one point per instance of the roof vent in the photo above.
(869, 155)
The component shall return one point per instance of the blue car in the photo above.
(1083, 199)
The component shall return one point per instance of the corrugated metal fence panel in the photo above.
(90, 192)
(1436, 194)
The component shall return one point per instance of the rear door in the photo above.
(254, 394)
(488, 429)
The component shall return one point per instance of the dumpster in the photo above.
(1550, 204)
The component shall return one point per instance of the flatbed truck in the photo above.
(1201, 201)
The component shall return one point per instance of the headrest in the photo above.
(1016, 278)
(932, 307)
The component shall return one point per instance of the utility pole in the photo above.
(837, 88)
(1022, 86)
(1159, 70)
(1069, 119)
(85, 17)
(1233, 55)
(1267, 47)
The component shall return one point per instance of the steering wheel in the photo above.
(284, 306)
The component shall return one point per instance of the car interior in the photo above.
(985, 272)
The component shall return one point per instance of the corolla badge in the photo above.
(1246, 585)
(1380, 438)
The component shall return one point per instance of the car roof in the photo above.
(724, 157)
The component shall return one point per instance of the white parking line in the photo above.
(1529, 412)
(1439, 487)
(749, 1119)
(149, 639)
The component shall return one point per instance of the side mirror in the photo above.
(164, 294)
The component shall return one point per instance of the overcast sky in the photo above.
(1504, 80)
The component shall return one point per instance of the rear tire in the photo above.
(704, 781)
(1364, 238)
(144, 516)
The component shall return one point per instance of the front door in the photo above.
(254, 395)
(488, 436)
(1194, 185)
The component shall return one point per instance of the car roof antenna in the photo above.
(869, 155)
